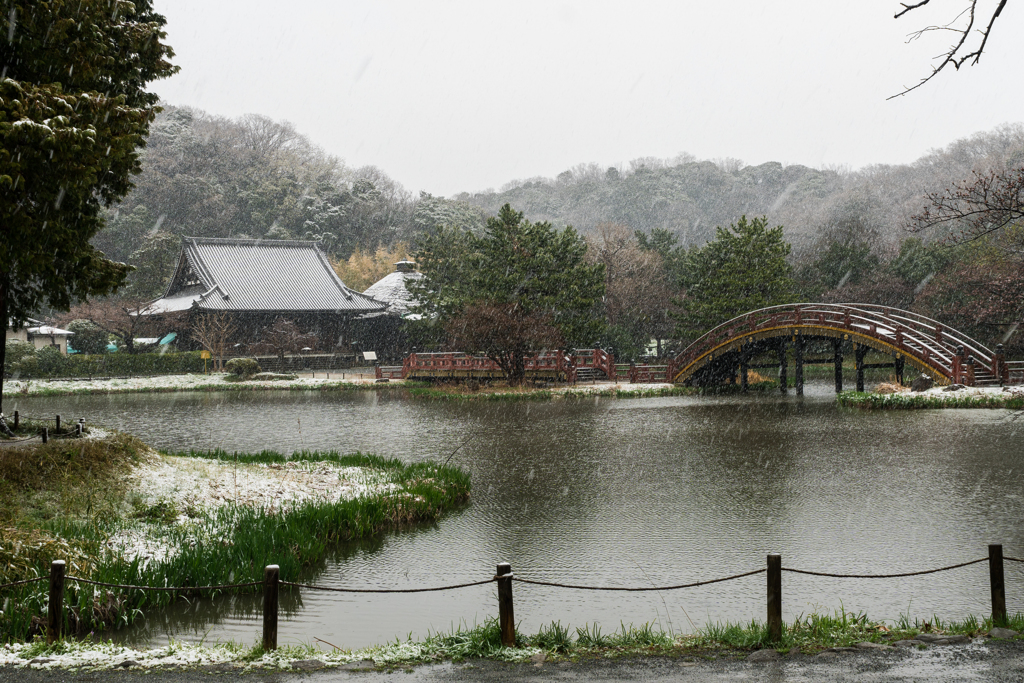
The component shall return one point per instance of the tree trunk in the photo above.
(517, 371)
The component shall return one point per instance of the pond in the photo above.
(622, 492)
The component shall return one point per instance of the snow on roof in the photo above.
(391, 290)
(258, 275)
(47, 331)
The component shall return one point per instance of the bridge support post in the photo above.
(837, 348)
(783, 380)
(798, 357)
(999, 368)
(743, 368)
(859, 354)
(899, 363)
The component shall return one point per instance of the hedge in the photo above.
(53, 365)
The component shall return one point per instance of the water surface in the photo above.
(622, 492)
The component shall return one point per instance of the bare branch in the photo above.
(977, 208)
(907, 8)
(959, 53)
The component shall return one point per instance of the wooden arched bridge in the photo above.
(908, 339)
(798, 334)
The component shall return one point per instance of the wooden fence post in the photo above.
(775, 597)
(995, 572)
(56, 429)
(506, 618)
(55, 612)
(45, 434)
(271, 577)
(17, 418)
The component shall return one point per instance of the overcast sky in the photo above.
(463, 96)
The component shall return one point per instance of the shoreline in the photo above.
(815, 638)
(1010, 397)
(211, 383)
(118, 512)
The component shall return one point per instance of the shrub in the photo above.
(88, 338)
(15, 351)
(243, 367)
(51, 361)
(106, 365)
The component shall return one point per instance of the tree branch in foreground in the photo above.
(960, 51)
(975, 208)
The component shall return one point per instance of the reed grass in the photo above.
(231, 544)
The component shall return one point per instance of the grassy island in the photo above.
(118, 512)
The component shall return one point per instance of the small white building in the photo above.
(40, 335)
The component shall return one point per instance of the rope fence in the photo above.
(5, 586)
(387, 590)
(641, 589)
(172, 589)
(504, 578)
(75, 429)
(885, 576)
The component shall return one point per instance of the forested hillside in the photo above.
(690, 198)
(646, 221)
(208, 176)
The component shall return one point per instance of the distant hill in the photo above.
(208, 176)
(691, 197)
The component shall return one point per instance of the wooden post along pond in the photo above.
(271, 579)
(775, 597)
(55, 611)
(995, 572)
(506, 617)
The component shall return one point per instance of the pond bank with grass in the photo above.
(118, 512)
(822, 635)
(894, 397)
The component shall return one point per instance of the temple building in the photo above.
(248, 284)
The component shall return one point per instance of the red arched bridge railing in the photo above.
(944, 353)
(453, 365)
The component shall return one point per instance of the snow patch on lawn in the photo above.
(190, 489)
(973, 392)
(175, 382)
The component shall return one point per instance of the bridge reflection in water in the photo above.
(726, 353)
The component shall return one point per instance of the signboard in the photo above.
(204, 354)
(369, 355)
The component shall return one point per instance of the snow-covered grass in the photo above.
(460, 643)
(939, 397)
(220, 382)
(196, 382)
(175, 494)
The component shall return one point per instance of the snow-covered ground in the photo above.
(216, 381)
(178, 382)
(205, 484)
(962, 392)
(188, 489)
(88, 655)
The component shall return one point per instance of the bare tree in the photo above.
(966, 46)
(213, 331)
(505, 333)
(283, 337)
(638, 294)
(120, 318)
(973, 209)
